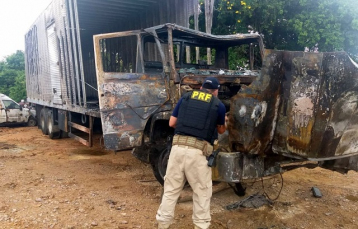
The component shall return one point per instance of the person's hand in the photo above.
(226, 119)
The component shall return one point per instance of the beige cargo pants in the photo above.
(186, 163)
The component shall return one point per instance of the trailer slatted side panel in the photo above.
(60, 69)
(32, 63)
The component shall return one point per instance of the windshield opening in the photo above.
(9, 104)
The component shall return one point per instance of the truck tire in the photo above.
(63, 134)
(43, 120)
(159, 164)
(163, 162)
(53, 131)
(154, 156)
(32, 121)
(238, 188)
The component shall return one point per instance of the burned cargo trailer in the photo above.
(59, 57)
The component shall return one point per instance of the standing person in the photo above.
(22, 103)
(197, 118)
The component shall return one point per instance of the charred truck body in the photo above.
(286, 108)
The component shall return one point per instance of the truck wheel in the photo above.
(154, 157)
(163, 162)
(43, 121)
(53, 130)
(32, 121)
(63, 134)
(239, 190)
(159, 164)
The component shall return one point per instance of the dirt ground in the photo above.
(61, 183)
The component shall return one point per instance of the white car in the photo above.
(12, 113)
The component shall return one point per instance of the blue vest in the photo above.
(197, 116)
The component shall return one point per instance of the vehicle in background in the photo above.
(12, 113)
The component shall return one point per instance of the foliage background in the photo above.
(12, 76)
(326, 25)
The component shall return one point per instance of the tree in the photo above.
(332, 25)
(12, 76)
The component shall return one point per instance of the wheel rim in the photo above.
(32, 122)
(42, 121)
(49, 126)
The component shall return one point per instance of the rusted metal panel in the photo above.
(301, 91)
(313, 97)
(82, 140)
(127, 102)
(79, 127)
(198, 79)
(321, 115)
(173, 73)
(253, 110)
(236, 166)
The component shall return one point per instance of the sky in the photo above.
(16, 18)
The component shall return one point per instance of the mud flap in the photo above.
(234, 167)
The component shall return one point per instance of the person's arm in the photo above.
(226, 119)
(221, 119)
(221, 129)
(173, 121)
(173, 118)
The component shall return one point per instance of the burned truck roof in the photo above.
(203, 39)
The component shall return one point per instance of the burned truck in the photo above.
(145, 72)
(285, 108)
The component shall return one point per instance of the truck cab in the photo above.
(12, 113)
(142, 74)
